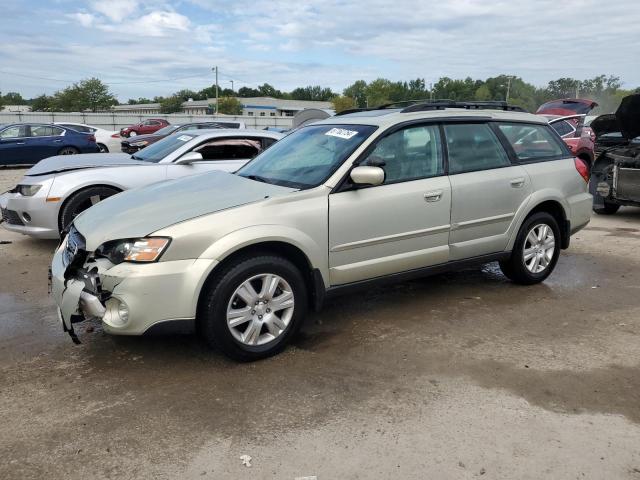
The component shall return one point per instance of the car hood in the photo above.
(63, 163)
(139, 212)
(626, 119)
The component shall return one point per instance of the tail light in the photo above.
(91, 138)
(115, 135)
(582, 168)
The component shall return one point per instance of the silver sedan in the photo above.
(54, 191)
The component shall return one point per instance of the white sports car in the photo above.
(54, 191)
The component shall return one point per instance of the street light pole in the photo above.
(232, 86)
(508, 87)
(216, 70)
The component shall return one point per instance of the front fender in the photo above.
(315, 252)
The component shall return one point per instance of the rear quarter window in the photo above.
(533, 143)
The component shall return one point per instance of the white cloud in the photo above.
(115, 10)
(84, 19)
(157, 24)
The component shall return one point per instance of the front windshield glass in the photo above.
(157, 151)
(167, 130)
(307, 157)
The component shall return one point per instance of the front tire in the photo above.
(607, 209)
(132, 133)
(536, 250)
(253, 307)
(103, 148)
(80, 201)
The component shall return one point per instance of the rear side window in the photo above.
(563, 127)
(473, 147)
(45, 131)
(229, 149)
(533, 142)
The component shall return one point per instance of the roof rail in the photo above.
(442, 104)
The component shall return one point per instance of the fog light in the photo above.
(26, 217)
(117, 314)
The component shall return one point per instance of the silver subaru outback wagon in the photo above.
(369, 196)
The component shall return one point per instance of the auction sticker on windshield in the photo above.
(184, 138)
(341, 133)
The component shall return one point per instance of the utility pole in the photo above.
(216, 70)
(232, 86)
(431, 91)
(508, 87)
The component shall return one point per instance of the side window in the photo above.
(533, 142)
(267, 142)
(45, 131)
(563, 128)
(473, 147)
(19, 131)
(229, 149)
(409, 154)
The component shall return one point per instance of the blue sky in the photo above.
(148, 48)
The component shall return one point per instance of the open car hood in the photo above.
(141, 211)
(567, 106)
(64, 163)
(626, 120)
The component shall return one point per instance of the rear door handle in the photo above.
(517, 182)
(433, 196)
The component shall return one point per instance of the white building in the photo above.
(15, 108)
(252, 106)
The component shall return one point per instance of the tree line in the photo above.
(92, 94)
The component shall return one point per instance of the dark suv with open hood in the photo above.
(615, 177)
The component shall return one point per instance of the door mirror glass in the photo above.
(189, 158)
(367, 175)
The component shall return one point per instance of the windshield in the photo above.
(307, 157)
(167, 130)
(157, 151)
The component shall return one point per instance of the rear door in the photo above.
(487, 190)
(400, 225)
(46, 140)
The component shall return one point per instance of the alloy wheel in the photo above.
(539, 247)
(67, 151)
(260, 309)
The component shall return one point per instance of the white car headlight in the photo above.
(139, 144)
(28, 190)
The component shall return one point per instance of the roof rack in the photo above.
(438, 104)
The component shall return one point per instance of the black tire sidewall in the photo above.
(72, 204)
(518, 270)
(212, 317)
(69, 148)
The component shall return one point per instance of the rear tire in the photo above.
(607, 209)
(241, 286)
(103, 148)
(132, 133)
(68, 151)
(80, 201)
(535, 252)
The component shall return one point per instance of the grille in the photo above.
(628, 185)
(11, 217)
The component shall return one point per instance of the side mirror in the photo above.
(367, 175)
(189, 158)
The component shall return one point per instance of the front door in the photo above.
(400, 225)
(13, 145)
(487, 190)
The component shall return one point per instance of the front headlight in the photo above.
(139, 144)
(28, 190)
(137, 250)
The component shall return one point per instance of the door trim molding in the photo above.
(482, 221)
(390, 238)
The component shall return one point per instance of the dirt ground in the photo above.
(458, 376)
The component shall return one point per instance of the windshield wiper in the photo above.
(135, 157)
(257, 178)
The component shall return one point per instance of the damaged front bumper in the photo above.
(128, 298)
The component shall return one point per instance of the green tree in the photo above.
(172, 104)
(342, 102)
(140, 100)
(42, 103)
(316, 93)
(229, 106)
(247, 92)
(357, 91)
(13, 98)
(89, 94)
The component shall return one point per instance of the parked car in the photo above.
(567, 106)
(345, 203)
(132, 145)
(151, 125)
(107, 140)
(28, 143)
(578, 137)
(615, 177)
(55, 191)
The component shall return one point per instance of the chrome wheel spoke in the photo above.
(247, 293)
(238, 316)
(529, 253)
(282, 301)
(251, 334)
(532, 237)
(539, 247)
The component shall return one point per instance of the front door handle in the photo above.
(517, 182)
(433, 196)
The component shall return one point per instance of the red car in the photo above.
(567, 117)
(151, 125)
